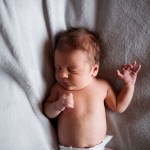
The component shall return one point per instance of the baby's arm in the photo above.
(128, 76)
(54, 105)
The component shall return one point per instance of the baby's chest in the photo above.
(86, 101)
(86, 104)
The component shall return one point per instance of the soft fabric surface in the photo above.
(27, 32)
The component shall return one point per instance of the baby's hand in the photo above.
(66, 100)
(129, 72)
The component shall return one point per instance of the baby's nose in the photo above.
(64, 74)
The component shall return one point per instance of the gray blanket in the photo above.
(27, 32)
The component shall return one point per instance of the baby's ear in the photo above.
(94, 70)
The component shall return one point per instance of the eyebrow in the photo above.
(74, 66)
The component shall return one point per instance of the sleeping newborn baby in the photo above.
(78, 97)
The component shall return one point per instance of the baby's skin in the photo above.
(78, 98)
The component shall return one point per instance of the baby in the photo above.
(78, 97)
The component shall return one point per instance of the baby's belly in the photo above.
(82, 129)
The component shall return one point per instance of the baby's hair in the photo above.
(79, 38)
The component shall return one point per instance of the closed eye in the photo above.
(73, 71)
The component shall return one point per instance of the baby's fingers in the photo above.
(134, 63)
(70, 95)
(137, 69)
(119, 74)
(68, 103)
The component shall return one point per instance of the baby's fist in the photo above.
(66, 100)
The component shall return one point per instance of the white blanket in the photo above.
(27, 32)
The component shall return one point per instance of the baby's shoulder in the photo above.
(102, 82)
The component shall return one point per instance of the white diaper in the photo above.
(100, 146)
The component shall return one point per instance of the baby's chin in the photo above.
(71, 88)
(74, 88)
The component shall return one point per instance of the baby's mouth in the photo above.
(65, 83)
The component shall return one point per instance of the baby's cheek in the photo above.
(57, 77)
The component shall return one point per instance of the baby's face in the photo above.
(73, 69)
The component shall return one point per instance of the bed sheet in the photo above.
(27, 38)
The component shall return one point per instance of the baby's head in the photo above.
(80, 39)
(76, 58)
